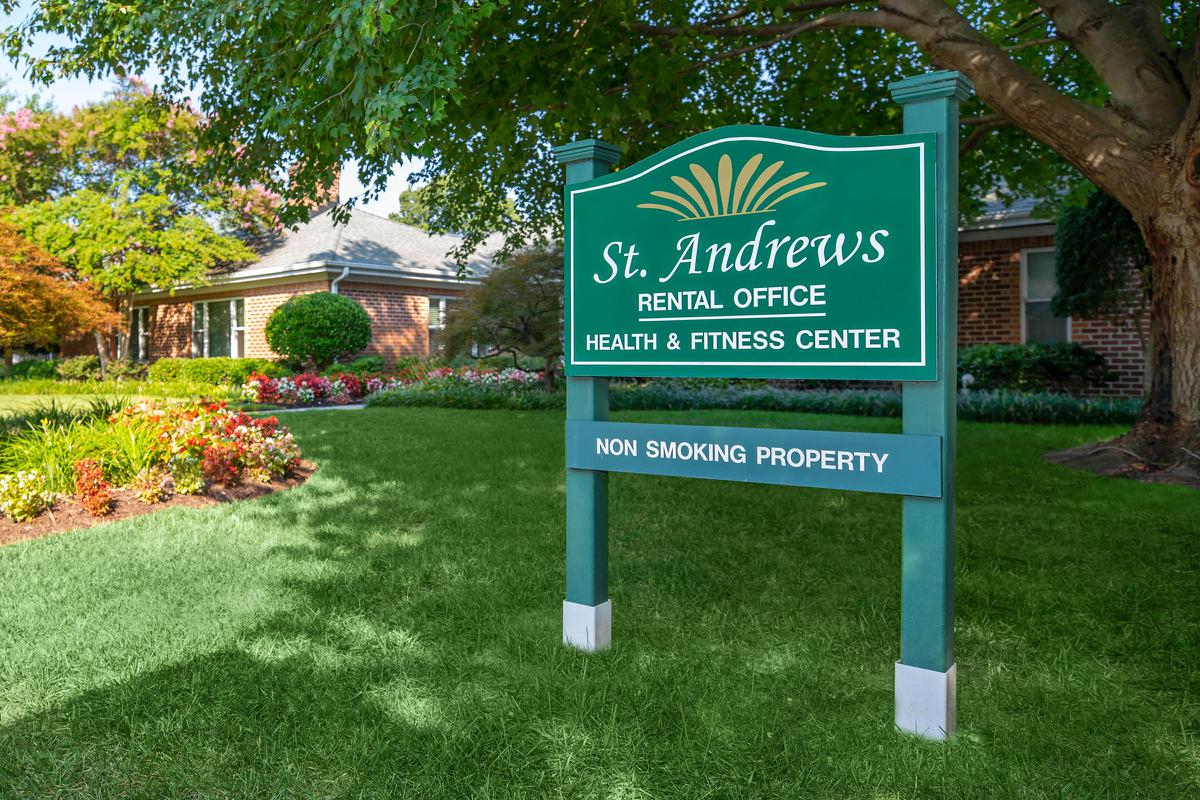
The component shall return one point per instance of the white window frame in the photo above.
(234, 329)
(140, 349)
(1025, 253)
(441, 301)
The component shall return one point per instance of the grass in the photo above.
(391, 630)
(17, 394)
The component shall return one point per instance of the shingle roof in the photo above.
(370, 240)
(998, 215)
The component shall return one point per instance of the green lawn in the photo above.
(18, 396)
(391, 630)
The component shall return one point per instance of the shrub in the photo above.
(126, 370)
(79, 368)
(662, 395)
(216, 371)
(91, 490)
(152, 485)
(34, 368)
(361, 367)
(1062, 367)
(23, 496)
(222, 463)
(317, 329)
(187, 474)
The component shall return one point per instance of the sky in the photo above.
(65, 94)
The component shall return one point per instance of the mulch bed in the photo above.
(1113, 461)
(66, 514)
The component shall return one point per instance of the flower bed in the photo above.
(149, 452)
(309, 389)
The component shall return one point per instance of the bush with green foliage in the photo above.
(126, 370)
(1098, 251)
(216, 371)
(1062, 367)
(314, 330)
(79, 368)
(34, 368)
(367, 365)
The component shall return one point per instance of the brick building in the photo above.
(404, 279)
(401, 275)
(1005, 283)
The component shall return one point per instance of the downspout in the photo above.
(334, 284)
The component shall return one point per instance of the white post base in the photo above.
(925, 701)
(587, 627)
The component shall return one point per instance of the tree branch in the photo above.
(777, 31)
(1128, 52)
(983, 119)
(1012, 48)
(795, 8)
(982, 129)
(1106, 145)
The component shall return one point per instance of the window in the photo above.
(1038, 286)
(219, 328)
(438, 306)
(139, 333)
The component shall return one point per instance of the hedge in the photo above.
(216, 371)
(985, 406)
(1061, 367)
(34, 368)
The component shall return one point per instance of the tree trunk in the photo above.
(8, 362)
(102, 351)
(1171, 418)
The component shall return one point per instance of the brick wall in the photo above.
(171, 320)
(989, 290)
(399, 317)
(989, 310)
(170, 330)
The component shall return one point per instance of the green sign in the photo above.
(757, 252)
(763, 252)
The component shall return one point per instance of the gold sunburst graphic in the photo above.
(726, 197)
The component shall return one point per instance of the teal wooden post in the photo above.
(587, 611)
(925, 673)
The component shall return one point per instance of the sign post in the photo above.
(756, 252)
(925, 673)
(587, 611)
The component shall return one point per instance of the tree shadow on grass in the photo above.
(417, 654)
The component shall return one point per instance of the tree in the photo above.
(516, 309)
(413, 209)
(430, 207)
(1102, 265)
(130, 143)
(40, 305)
(1106, 91)
(123, 246)
(112, 188)
(314, 330)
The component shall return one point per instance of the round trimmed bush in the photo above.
(316, 329)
